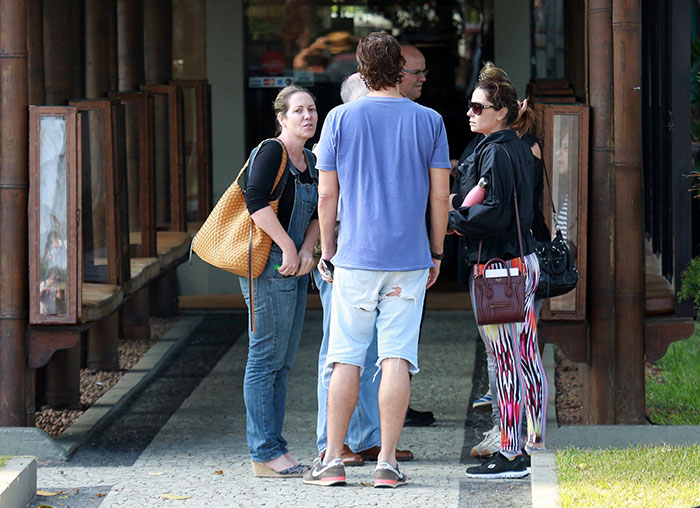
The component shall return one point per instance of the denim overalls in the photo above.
(280, 303)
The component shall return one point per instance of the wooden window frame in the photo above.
(176, 149)
(545, 122)
(202, 91)
(113, 163)
(147, 199)
(74, 270)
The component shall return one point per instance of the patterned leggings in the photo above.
(513, 346)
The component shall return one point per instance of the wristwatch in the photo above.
(437, 256)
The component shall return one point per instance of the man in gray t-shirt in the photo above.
(388, 156)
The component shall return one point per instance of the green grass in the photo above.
(4, 459)
(672, 386)
(655, 477)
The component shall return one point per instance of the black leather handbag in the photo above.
(558, 273)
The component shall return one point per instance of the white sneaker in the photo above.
(490, 445)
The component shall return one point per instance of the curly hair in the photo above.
(281, 104)
(379, 60)
(499, 90)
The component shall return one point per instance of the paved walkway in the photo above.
(185, 434)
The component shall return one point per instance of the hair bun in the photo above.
(490, 71)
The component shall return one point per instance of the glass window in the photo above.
(565, 183)
(53, 216)
(312, 43)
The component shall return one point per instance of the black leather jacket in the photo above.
(493, 221)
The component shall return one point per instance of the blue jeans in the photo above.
(280, 304)
(363, 431)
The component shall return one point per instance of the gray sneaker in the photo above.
(325, 475)
(387, 476)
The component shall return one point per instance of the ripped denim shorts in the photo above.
(365, 300)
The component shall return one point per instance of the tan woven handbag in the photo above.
(229, 239)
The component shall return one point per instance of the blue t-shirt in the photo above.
(382, 149)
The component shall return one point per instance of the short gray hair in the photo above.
(353, 88)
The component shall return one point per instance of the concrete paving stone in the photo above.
(206, 433)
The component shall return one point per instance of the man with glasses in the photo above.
(411, 86)
(414, 72)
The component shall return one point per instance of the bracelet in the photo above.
(437, 256)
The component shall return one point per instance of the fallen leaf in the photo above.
(367, 484)
(174, 497)
(100, 494)
(46, 493)
(582, 465)
(156, 473)
(218, 471)
(45, 506)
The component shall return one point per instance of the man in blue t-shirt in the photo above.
(388, 156)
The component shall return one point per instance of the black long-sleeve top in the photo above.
(539, 226)
(261, 177)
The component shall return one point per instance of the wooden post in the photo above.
(130, 63)
(35, 53)
(157, 28)
(14, 186)
(157, 36)
(130, 44)
(629, 404)
(100, 48)
(63, 68)
(599, 398)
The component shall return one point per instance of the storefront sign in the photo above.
(272, 82)
(273, 63)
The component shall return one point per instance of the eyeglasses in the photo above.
(479, 108)
(424, 72)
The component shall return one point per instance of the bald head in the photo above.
(353, 88)
(411, 85)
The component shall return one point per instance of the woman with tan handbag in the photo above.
(498, 229)
(280, 291)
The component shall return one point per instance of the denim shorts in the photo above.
(365, 300)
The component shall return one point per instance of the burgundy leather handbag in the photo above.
(500, 299)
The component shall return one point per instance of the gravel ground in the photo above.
(94, 383)
(569, 398)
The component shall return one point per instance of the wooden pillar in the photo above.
(157, 36)
(599, 398)
(157, 41)
(100, 48)
(63, 66)
(129, 44)
(14, 186)
(130, 77)
(630, 304)
(35, 52)
(616, 283)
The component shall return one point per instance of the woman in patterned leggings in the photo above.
(490, 227)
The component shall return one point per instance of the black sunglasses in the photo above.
(479, 108)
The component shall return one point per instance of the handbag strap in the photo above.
(549, 187)
(517, 214)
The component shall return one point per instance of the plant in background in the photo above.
(690, 282)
